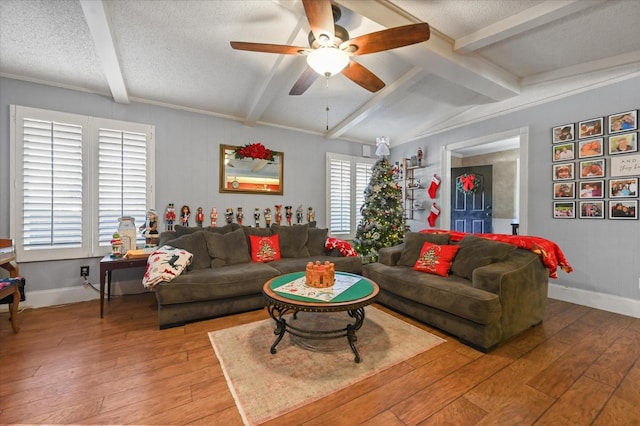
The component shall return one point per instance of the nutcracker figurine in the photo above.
(228, 216)
(256, 217)
(267, 217)
(299, 214)
(311, 215)
(170, 216)
(149, 229)
(288, 213)
(239, 216)
(185, 214)
(199, 217)
(214, 216)
(420, 156)
(278, 213)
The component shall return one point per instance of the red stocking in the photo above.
(433, 215)
(435, 183)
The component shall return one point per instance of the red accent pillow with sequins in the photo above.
(265, 249)
(436, 259)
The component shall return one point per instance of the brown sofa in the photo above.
(493, 292)
(222, 279)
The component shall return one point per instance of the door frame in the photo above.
(522, 134)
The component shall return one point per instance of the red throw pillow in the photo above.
(436, 259)
(265, 249)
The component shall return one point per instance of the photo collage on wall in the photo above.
(596, 168)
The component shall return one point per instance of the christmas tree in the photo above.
(382, 223)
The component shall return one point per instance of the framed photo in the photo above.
(623, 209)
(590, 128)
(623, 187)
(563, 133)
(623, 122)
(564, 171)
(592, 168)
(563, 152)
(592, 209)
(625, 165)
(590, 148)
(564, 209)
(623, 143)
(591, 189)
(564, 190)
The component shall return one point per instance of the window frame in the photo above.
(353, 197)
(90, 245)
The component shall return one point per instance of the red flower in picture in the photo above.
(255, 150)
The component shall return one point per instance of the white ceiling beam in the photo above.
(536, 16)
(369, 108)
(98, 23)
(437, 55)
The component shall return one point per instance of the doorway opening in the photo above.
(511, 139)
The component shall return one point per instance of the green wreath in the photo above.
(468, 183)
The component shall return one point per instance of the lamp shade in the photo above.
(328, 61)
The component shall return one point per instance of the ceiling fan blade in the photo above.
(363, 77)
(388, 39)
(320, 17)
(270, 48)
(304, 82)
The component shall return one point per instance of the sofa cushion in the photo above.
(293, 240)
(413, 242)
(227, 249)
(317, 238)
(476, 252)
(195, 244)
(264, 249)
(436, 259)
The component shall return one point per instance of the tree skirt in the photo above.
(266, 386)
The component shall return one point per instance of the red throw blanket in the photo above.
(550, 254)
(343, 246)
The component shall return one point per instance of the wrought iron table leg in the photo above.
(358, 315)
(281, 324)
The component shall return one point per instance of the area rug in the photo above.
(266, 386)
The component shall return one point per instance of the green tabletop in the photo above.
(360, 289)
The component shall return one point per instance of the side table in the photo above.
(107, 265)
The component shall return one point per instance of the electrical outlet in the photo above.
(84, 271)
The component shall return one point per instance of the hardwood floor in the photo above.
(581, 366)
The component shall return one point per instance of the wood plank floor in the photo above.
(67, 366)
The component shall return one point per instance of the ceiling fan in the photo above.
(331, 48)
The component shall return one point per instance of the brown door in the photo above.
(472, 212)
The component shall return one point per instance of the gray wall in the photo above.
(187, 162)
(605, 254)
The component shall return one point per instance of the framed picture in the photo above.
(590, 148)
(564, 171)
(563, 133)
(625, 165)
(623, 143)
(590, 128)
(623, 122)
(564, 190)
(591, 189)
(623, 209)
(592, 168)
(592, 209)
(623, 187)
(564, 209)
(563, 152)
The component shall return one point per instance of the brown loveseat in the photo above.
(222, 279)
(493, 292)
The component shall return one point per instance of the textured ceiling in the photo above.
(484, 57)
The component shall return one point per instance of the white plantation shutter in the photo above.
(122, 180)
(347, 177)
(52, 185)
(74, 176)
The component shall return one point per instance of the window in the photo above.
(74, 176)
(347, 178)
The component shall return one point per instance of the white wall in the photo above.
(605, 254)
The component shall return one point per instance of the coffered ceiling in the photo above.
(484, 57)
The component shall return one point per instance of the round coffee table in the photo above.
(288, 293)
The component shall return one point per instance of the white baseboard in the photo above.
(606, 302)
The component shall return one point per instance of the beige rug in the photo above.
(266, 386)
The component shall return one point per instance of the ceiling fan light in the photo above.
(328, 61)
